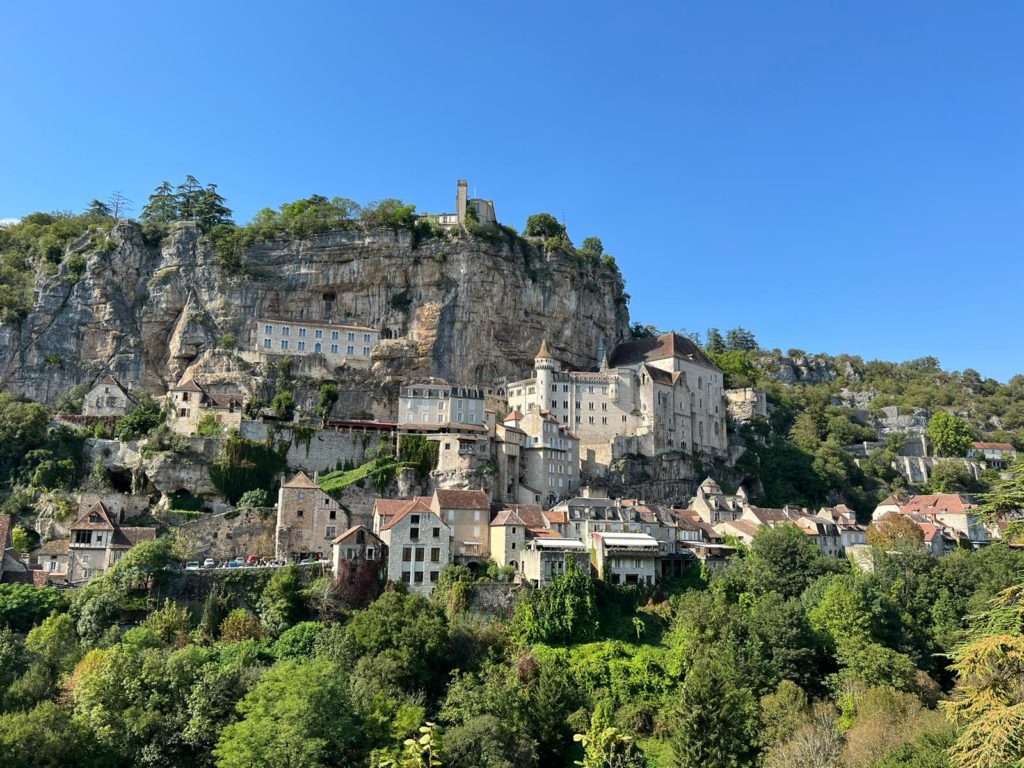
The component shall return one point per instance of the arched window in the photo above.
(316, 347)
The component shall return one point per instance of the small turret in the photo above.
(544, 367)
(461, 198)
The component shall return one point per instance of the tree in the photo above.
(485, 741)
(48, 737)
(23, 428)
(188, 195)
(329, 394)
(949, 434)
(894, 532)
(118, 205)
(816, 743)
(605, 746)
(210, 210)
(240, 625)
(714, 719)
(715, 342)
(1007, 496)
(257, 497)
(564, 611)
(544, 225)
(146, 416)
(98, 208)
(297, 716)
(162, 207)
(783, 560)
(281, 603)
(740, 338)
(593, 247)
(988, 701)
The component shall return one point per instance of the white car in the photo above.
(192, 565)
(208, 563)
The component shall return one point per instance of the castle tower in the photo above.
(544, 366)
(461, 196)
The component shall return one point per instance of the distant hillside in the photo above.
(818, 405)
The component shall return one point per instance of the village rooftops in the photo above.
(993, 446)
(666, 345)
(417, 506)
(462, 500)
(639, 541)
(937, 504)
(301, 480)
(554, 542)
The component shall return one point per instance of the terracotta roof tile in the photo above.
(658, 348)
(462, 499)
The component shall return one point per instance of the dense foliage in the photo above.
(783, 658)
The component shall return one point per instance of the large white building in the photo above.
(653, 395)
(431, 406)
(339, 344)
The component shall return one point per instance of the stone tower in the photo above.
(545, 366)
(461, 196)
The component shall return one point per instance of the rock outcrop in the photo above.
(458, 306)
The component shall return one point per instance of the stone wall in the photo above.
(232, 534)
(326, 450)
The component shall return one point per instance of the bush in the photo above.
(257, 497)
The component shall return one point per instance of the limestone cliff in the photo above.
(458, 306)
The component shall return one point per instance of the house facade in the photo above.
(308, 520)
(97, 541)
(337, 343)
(418, 546)
(190, 401)
(356, 545)
(107, 398)
(549, 460)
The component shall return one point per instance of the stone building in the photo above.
(308, 520)
(544, 558)
(190, 401)
(107, 398)
(97, 541)
(465, 206)
(508, 444)
(652, 396)
(626, 558)
(418, 545)
(508, 539)
(337, 343)
(549, 456)
(438, 404)
(357, 544)
(467, 515)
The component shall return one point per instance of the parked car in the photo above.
(236, 563)
(192, 565)
(252, 560)
(209, 563)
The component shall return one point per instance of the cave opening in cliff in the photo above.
(120, 480)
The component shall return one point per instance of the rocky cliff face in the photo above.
(457, 306)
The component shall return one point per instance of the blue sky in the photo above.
(838, 177)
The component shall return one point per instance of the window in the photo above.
(437, 533)
(299, 513)
(302, 495)
(302, 332)
(366, 351)
(405, 577)
(83, 537)
(419, 554)
(350, 349)
(318, 333)
(351, 337)
(590, 406)
(333, 514)
(414, 533)
(366, 337)
(406, 554)
(332, 531)
(604, 419)
(266, 343)
(418, 577)
(590, 419)
(554, 387)
(285, 330)
(435, 554)
(268, 329)
(334, 335)
(302, 346)
(433, 576)
(334, 349)
(317, 348)
(284, 343)
(86, 558)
